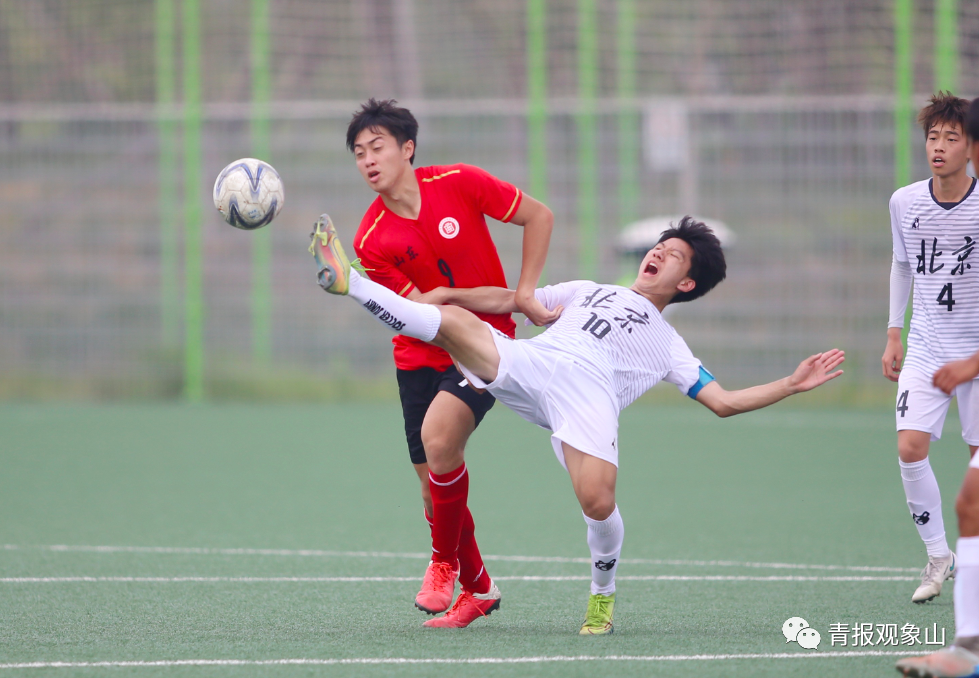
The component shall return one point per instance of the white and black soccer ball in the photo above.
(248, 193)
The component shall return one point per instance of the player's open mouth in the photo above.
(372, 175)
(938, 161)
(651, 268)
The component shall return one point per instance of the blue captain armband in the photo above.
(705, 378)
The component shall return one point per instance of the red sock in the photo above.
(449, 494)
(430, 521)
(472, 573)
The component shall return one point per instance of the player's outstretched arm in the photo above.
(956, 372)
(478, 299)
(811, 372)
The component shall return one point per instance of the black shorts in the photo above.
(418, 389)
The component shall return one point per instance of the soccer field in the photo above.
(232, 540)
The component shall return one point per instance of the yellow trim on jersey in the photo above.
(405, 289)
(506, 217)
(431, 179)
(364, 239)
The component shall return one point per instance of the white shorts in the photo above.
(548, 388)
(922, 407)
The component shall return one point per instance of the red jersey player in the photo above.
(426, 230)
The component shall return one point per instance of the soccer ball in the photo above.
(248, 193)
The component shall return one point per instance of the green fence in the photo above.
(788, 121)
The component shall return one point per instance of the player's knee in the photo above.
(967, 511)
(597, 506)
(437, 443)
(444, 453)
(912, 448)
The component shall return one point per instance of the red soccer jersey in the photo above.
(449, 245)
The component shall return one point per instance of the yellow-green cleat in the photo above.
(334, 267)
(598, 619)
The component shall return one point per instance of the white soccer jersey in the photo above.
(620, 338)
(938, 241)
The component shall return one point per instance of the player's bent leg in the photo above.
(593, 480)
(466, 337)
(925, 504)
(469, 341)
(338, 276)
(447, 426)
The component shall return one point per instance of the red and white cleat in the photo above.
(437, 588)
(468, 608)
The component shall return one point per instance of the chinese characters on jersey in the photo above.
(929, 264)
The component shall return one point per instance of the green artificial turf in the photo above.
(809, 487)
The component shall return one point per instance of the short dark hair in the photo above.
(943, 108)
(707, 267)
(375, 115)
(972, 120)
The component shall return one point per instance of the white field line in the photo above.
(348, 580)
(425, 556)
(439, 660)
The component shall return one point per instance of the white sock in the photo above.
(401, 315)
(605, 541)
(925, 502)
(967, 587)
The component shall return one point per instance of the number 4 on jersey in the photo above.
(945, 297)
(902, 403)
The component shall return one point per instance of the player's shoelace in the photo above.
(442, 575)
(932, 571)
(465, 598)
(598, 611)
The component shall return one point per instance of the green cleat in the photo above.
(334, 267)
(598, 619)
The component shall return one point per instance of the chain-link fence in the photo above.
(776, 118)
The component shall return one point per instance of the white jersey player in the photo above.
(935, 229)
(960, 659)
(609, 345)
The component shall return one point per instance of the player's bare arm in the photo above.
(537, 221)
(956, 372)
(496, 300)
(811, 372)
(893, 354)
